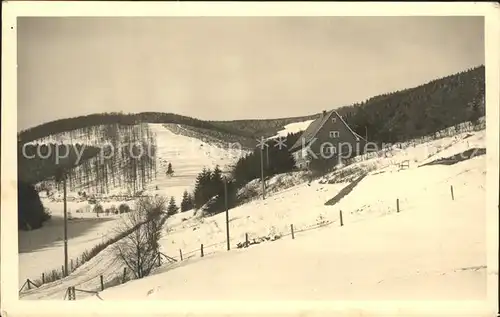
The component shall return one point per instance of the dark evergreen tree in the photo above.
(31, 213)
(172, 208)
(186, 203)
(170, 171)
(190, 201)
(201, 192)
(216, 186)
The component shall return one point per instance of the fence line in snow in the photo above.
(248, 241)
(448, 132)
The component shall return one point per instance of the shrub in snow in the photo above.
(247, 193)
(348, 174)
(98, 209)
(258, 240)
(123, 208)
(321, 220)
(31, 213)
(49, 277)
(139, 250)
(112, 210)
(212, 206)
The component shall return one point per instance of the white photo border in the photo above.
(12, 306)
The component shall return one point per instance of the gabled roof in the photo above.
(313, 129)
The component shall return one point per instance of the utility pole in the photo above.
(227, 214)
(267, 157)
(65, 227)
(262, 172)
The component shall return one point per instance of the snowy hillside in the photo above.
(376, 254)
(42, 249)
(188, 157)
(360, 261)
(292, 128)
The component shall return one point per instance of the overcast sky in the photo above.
(231, 67)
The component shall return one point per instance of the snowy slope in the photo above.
(434, 249)
(414, 246)
(292, 128)
(42, 249)
(188, 156)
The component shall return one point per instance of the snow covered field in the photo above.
(434, 248)
(42, 250)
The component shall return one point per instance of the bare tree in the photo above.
(139, 250)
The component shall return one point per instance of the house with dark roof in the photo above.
(327, 137)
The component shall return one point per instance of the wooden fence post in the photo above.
(124, 274)
(246, 239)
(43, 278)
(201, 249)
(28, 283)
(102, 283)
(71, 265)
(452, 195)
(62, 270)
(71, 293)
(341, 219)
(397, 204)
(291, 229)
(180, 253)
(159, 259)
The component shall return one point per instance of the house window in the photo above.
(334, 134)
(334, 120)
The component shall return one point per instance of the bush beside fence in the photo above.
(55, 275)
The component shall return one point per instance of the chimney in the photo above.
(324, 113)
